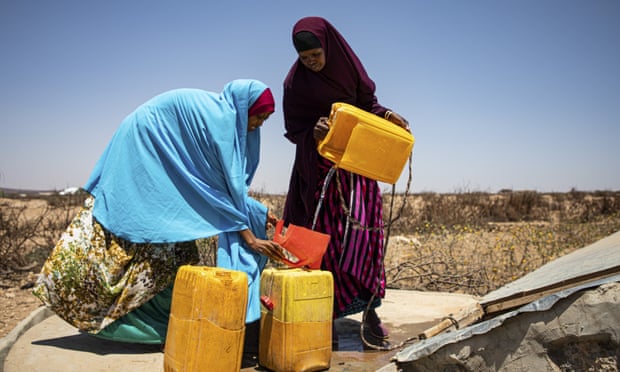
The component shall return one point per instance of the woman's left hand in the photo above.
(397, 119)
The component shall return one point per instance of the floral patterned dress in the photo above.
(93, 278)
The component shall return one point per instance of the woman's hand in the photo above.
(321, 128)
(397, 119)
(267, 248)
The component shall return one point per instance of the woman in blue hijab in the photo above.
(178, 169)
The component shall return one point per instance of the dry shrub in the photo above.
(480, 209)
(469, 242)
(476, 242)
(30, 227)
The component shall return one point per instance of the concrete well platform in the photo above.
(47, 343)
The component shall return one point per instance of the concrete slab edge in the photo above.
(33, 319)
(391, 367)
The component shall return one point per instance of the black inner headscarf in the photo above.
(305, 40)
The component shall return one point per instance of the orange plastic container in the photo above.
(296, 335)
(306, 245)
(366, 144)
(207, 320)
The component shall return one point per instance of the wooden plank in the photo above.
(525, 297)
(463, 318)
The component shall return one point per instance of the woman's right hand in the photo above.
(267, 248)
(321, 128)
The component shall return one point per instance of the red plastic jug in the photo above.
(308, 246)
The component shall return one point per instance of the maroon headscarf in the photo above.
(309, 95)
(264, 104)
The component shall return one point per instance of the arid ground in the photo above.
(465, 242)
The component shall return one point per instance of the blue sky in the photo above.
(513, 94)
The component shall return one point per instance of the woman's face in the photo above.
(313, 59)
(256, 121)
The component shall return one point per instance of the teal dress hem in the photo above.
(147, 324)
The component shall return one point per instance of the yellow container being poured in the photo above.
(366, 144)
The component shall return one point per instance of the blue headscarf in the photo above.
(179, 168)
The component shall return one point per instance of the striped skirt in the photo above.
(355, 253)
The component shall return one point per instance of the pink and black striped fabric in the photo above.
(355, 260)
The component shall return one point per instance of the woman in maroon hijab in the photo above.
(328, 71)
